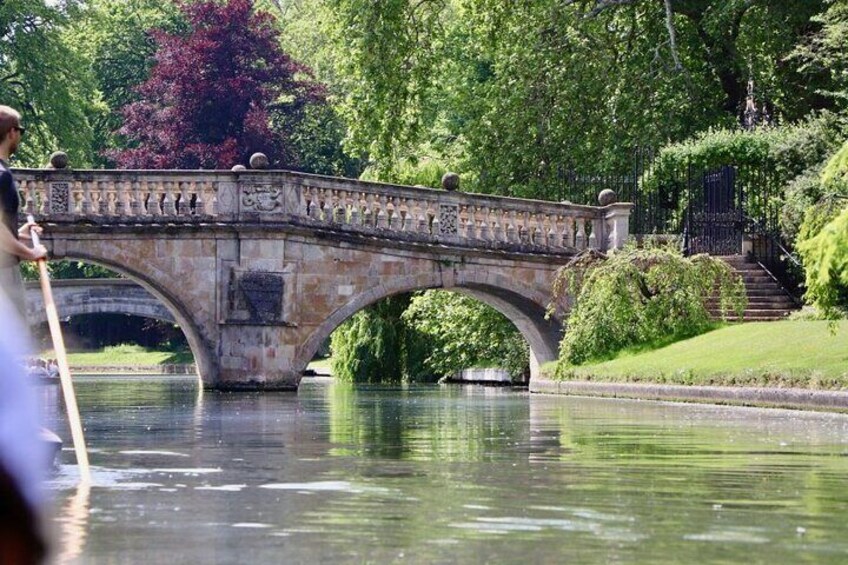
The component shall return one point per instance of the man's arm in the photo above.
(10, 245)
(8, 242)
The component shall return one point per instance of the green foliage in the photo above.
(376, 346)
(826, 263)
(784, 160)
(823, 53)
(114, 37)
(423, 337)
(462, 332)
(426, 173)
(44, 76)
(508, 93)
(68, 270)
(641, 296)
(835, 173)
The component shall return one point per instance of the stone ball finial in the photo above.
(259, 161)
(58, 160)
(450, 181)
(239, 168)
(607, 197)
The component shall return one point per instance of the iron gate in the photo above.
(715, 220)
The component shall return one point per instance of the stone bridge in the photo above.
(96, 296)
(259, 267)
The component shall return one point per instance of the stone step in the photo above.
(767, 301)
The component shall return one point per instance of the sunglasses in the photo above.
(20, 129)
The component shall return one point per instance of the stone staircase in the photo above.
(767, 301)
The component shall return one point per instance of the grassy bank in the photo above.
(125, 356)
(782, 354)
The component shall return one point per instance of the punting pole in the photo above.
(62, 360)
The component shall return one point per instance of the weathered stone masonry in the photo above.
(258, 268)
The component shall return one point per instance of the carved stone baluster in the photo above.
(136, 207)
(436, 223)
(310, 195)
(75, 198)
(497, 229)
(339, 211)
(85, 207)
(535, 232)
(528, 229)
(368, 211)
(423, 218)
(154, 205)
(567, 231)
(470, 226)
(184, 205)
(383, 214)
(554, 239)
(356, 209)
(211, 204)
(392, 216)
(102, 198)
(200, 190)
(168, 205)
(511, 230)
(592, 241)
(121, 195)
(580, 237)
(484, 232)
(406, 212)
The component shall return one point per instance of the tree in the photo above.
(115, 38)
(376, 346)
(461, 333)
(44, 76)
(217, 94)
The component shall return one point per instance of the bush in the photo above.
(826, 263)
(636, 297)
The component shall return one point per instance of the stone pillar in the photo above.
(617, 218)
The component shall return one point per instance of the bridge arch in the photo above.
(77, 297)
(178, 312)
(523, 306)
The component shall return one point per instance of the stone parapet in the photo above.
(121, 196)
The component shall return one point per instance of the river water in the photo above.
(338, 474)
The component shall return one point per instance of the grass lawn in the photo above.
(797, 354)
(124, 355)
(322, 366)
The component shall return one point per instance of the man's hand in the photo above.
(25, 231)
(35, 253)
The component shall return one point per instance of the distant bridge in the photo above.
(76, 297)
(259, 267)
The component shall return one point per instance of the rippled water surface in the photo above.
(444, 474)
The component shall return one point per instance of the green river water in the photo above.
(343, 474)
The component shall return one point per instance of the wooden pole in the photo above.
(64, 369)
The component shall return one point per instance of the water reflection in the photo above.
(350, 474)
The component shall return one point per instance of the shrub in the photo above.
(826, 263)
(641, 296)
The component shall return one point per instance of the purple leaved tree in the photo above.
(215, 93)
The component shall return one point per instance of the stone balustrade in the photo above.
(120, 196)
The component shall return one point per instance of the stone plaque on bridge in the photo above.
(60, 198)
(448, 219)
(262, 199)
(256, 297)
